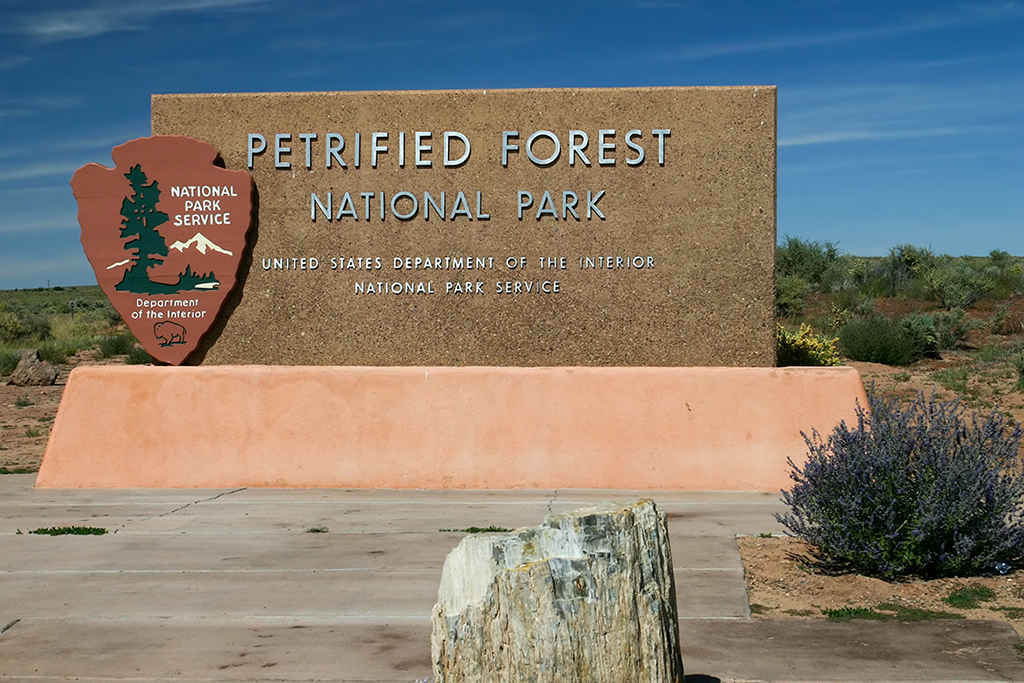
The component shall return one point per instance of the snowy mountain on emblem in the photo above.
(200, 243)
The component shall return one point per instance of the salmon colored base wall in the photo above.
(442, 427)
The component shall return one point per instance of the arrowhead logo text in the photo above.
(141, 231)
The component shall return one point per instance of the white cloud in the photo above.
(11, 62)
(826, 115)
(911, 26)
(43, 170)
(105, 17)
(861, 135)
(887, 162)
(46, 224)
(31, 106)
(101, 143)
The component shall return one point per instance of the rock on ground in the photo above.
(587, 597)
(33, 372)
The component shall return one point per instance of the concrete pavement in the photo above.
(228, 585)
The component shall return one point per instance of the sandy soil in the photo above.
(780, 585)
(27, 414)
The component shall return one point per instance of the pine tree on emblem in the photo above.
(139, 224)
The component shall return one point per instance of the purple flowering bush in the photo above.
(913, 490)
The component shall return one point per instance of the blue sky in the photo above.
(899, 122)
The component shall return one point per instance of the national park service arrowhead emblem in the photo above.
(165, 231)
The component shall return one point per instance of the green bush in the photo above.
(116, 345)
(940, 330)
(921, 328)
(111, 316)
(138, 356)
(877, 339)
(791, 295)
(905, 269)
(39, 327)
(1006, 274)
(12, 327)
(804, 348)
(79, 328)
(915, 490)
(957, 285)
(1002, 322)
(8, 361)
(805, 259)
(56, 351)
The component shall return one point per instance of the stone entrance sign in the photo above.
(624, 227)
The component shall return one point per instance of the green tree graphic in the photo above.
(139, 224)
(140, 220)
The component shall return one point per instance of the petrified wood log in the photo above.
(586, 597)
(31, 371)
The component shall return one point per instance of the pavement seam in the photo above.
(746, 589)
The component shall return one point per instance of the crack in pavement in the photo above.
(552, 501)
(186, 505)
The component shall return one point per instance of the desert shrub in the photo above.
(39, 327)
(111, 316)
(58, 350)
(54, 351)
(791, 295)
(952, 328)
(1002, 322)
(921, 328)
(1006, 274)
(805, 259)
(990, 353)
(838, 316)
(933, 332)
(12, 327)
(957, 285)
(804, 347)
(914, 490)
(8, 361)
(865, 306)
(904, 270)
(877, 339)
(138, 356)
(70, 335)
(116, 345)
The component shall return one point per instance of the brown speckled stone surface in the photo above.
(705, 219)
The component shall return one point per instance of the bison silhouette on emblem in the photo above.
(168, 333)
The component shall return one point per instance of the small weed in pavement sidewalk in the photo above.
(70, 531)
